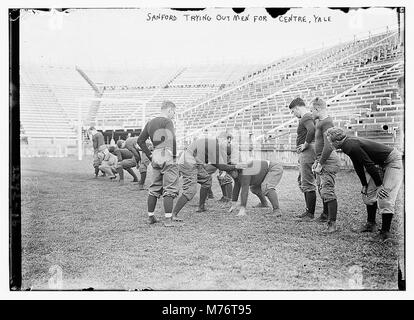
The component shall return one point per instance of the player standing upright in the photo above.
(165, 177)
(326, 164)
(305, 144)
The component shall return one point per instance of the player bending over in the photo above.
(126, 161)
(262, 177)
(377, 191)
(109, 162)
(98, 146)
(191, 164)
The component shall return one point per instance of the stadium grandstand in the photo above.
(357, 78)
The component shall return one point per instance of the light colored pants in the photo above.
(165, 175)
(392, 180)
(108, 167)
(271, 180)
(325, 180)
(306, 179)
(193, 174)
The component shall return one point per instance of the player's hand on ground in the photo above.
(364, 190)
(242, 211)
(233, 206)
(382, 193)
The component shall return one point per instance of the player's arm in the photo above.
(359, 168)
(244, 193)
(326, 151)
(95, 142)
(310, 133)
(235, 194)
(118, 154)
(143, 137)
(170, 127)
(224, 167)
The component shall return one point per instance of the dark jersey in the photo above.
(366, 153)
(161, 132)
(123, 154)
(323, 148)
(306, 130)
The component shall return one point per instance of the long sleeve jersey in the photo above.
(306, 130)
(161, 132)
(368, 154)
(323, 148)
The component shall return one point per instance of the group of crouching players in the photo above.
(379, 168)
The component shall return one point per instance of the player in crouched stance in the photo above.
(126, 161)
(377, 191)
(262, 177)
(109, 163)
(202, 151)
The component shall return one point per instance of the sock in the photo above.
(143, 177)
(132, 173)
(229, 190)
(168, 204)
(306, 201)
(386, 221)
(203, 196)
(372, 212)
(182, 200)
(310, 201)
(325, 209)
(150, 214)
(272, 195)
(332, 210)
(152, 202)
(121, 173)
(168, 215)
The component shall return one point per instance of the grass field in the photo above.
(96, 232)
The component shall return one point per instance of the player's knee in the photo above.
(154, 193)
(327, 194)
(385, 206)
(189, 194)
(266, 190)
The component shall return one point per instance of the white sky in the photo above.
(123, 37)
